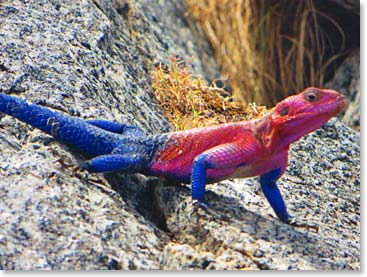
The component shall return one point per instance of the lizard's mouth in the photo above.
(342, 102)
(337, 106)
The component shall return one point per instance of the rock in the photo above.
(92, 59)
(347, 81)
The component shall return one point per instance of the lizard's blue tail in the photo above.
(87, 138)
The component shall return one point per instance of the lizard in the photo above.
(198, 156)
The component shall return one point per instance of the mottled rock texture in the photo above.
(92, 59)
(347, 81)
(89, 59)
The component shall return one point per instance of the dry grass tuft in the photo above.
(268, 48)
(189, 102)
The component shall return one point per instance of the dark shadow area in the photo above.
(349, 23)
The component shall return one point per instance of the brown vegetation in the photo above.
(268, 49)
(189, 102)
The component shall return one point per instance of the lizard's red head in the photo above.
(302, 113)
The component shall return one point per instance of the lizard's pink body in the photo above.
(253, 147)
(178, 161)
(245, 149)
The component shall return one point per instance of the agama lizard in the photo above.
(201, 155)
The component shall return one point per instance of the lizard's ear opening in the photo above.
(284, 111)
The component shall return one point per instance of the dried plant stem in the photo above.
(188, 102)
(268, 49)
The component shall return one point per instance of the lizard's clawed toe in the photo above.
(201, 205)
(84, 165)
(293, 222)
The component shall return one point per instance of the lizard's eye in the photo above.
(284, 111)
(311, 95)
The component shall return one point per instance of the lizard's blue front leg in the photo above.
(117, 127)
(220, 158)
(272, 194)
(198, 179)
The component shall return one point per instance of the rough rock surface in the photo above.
(91, 59)
(347, 81)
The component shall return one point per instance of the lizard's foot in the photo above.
(202, 205)
(293, 222)
(199, 204)
(83, 165)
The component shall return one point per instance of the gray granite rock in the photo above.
(92, 59)
(347, 81)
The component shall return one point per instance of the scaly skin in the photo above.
(200, 156)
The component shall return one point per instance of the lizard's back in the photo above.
(175, 158)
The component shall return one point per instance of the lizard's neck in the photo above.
(269, 136)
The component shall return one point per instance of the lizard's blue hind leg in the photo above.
(117, 127)
(127, 163)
